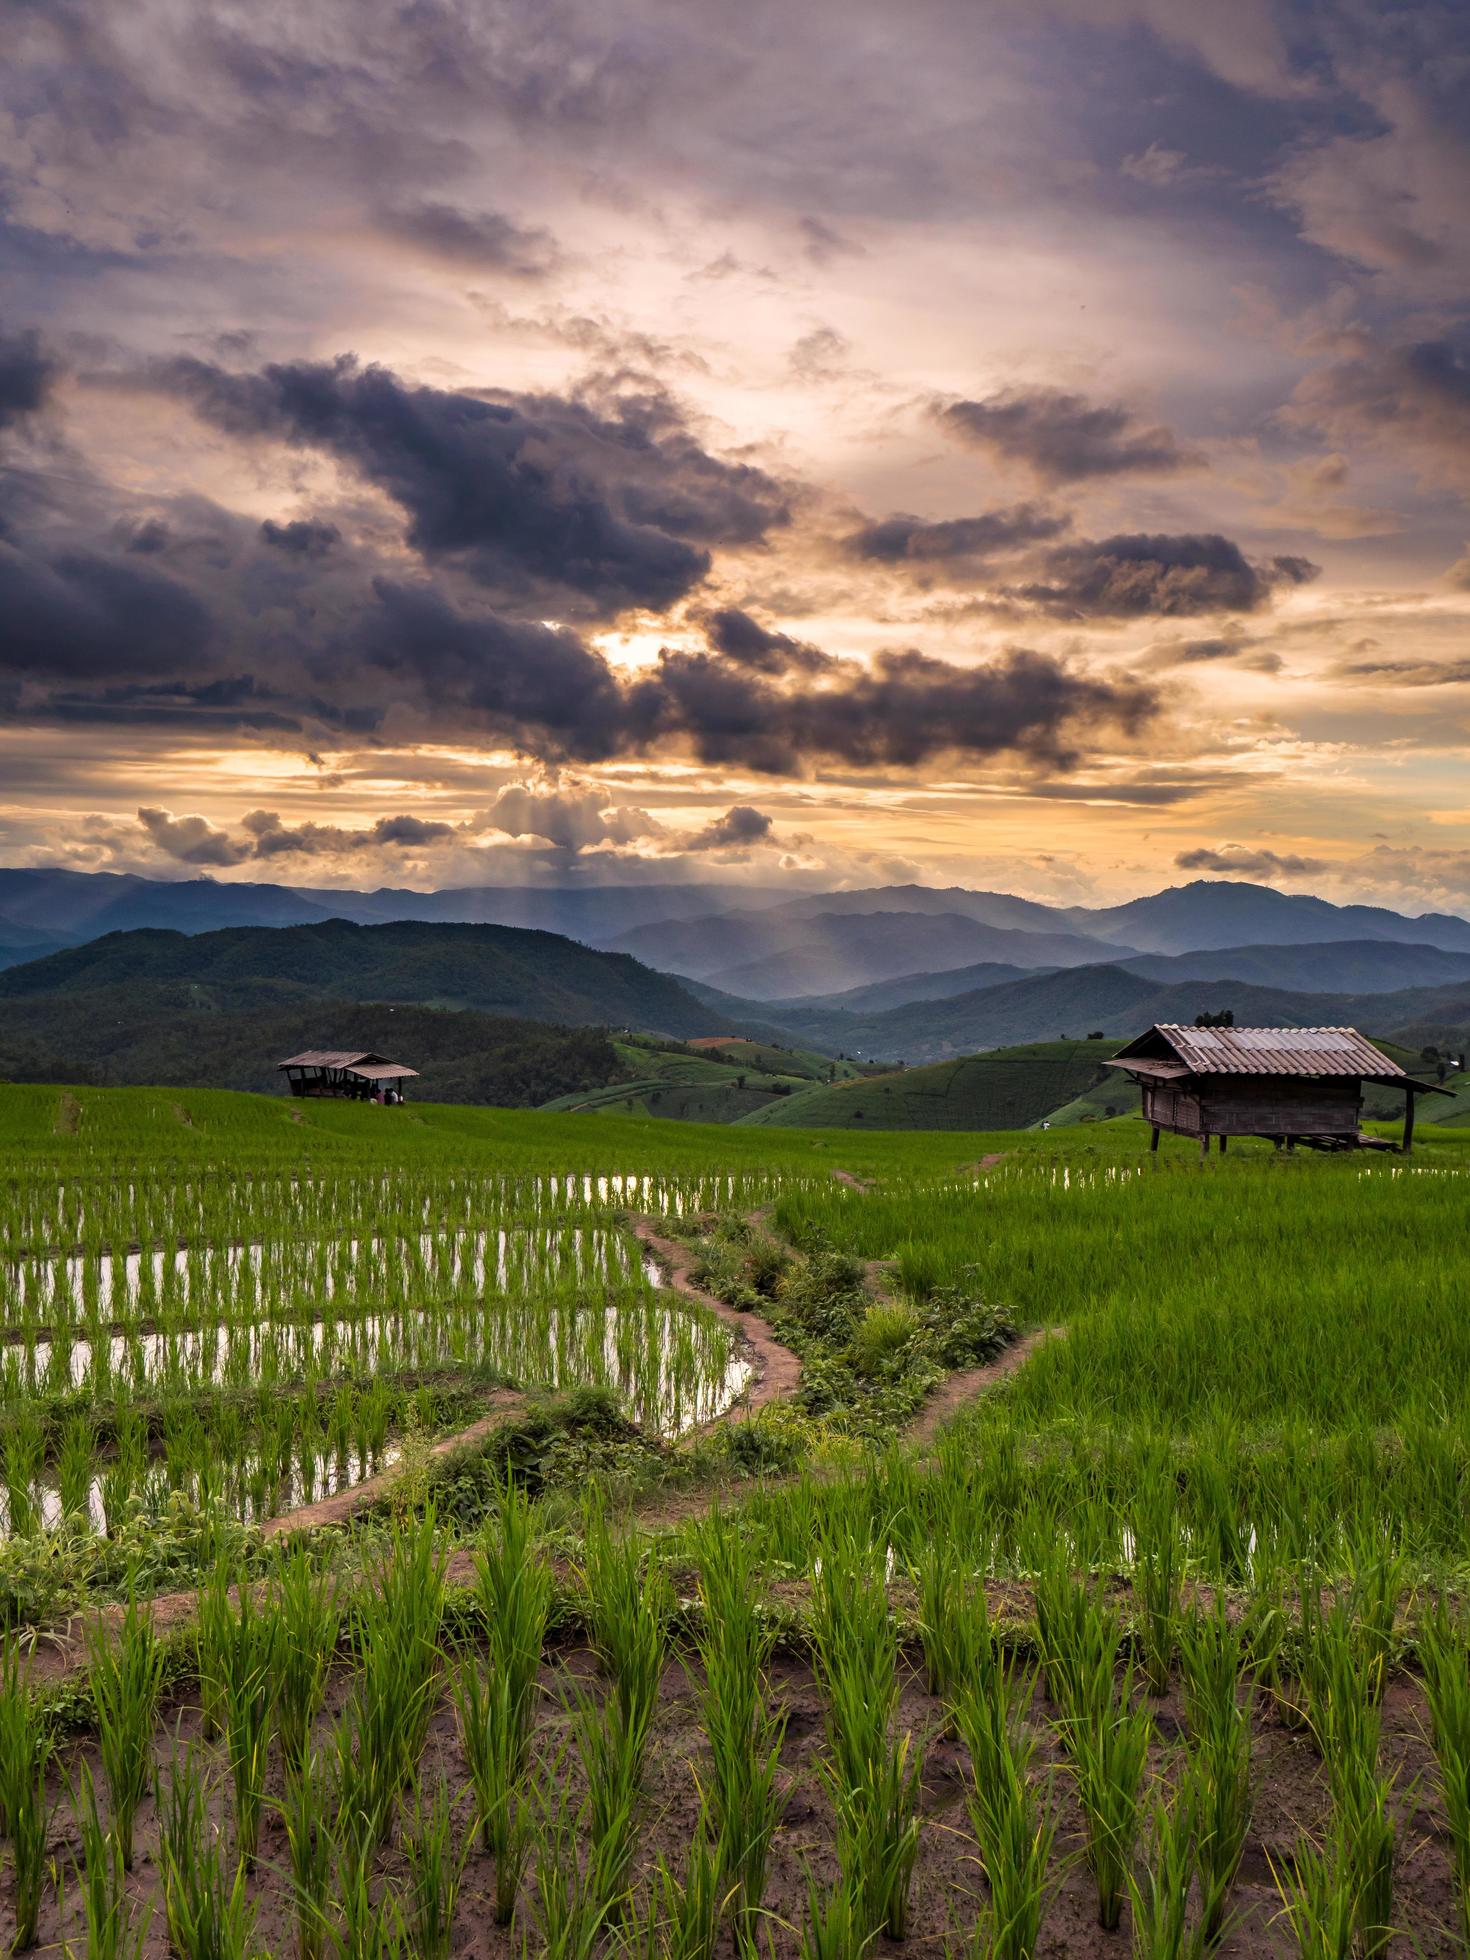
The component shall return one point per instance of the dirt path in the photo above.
(956, 1390)
(853, 1183)
(777, 1370)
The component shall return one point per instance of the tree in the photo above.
(1224, 1019)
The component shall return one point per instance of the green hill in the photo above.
(492, 969)
(710, 1082)
(1007, 1089)
(159, 1035)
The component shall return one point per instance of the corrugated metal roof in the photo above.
(1278, 1051)
(378, 1067)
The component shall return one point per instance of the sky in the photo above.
(465, 442)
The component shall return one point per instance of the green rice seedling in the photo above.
(680, 1919)
(394, 1628)
(126, 1678)
(305, 1819)
(836, 1925)
(310, 1621)
(1445, 1659)
(1014, 1821)
(1108, 1741)
(1157, 1569)
(1319, 1901)
(30, 1823)
(244, 1655)
(495, 1737)
(1377, 1581)
(18, 1731)
(435, 1868)
(745, 1733)
(570, 1902)
(205, 1901)
(629, 1601)
(871, 1774)
(75, 1465)
(1218, 1711)
(368, 1924)
(954, 1621)
(1160, 1886)
(1346, 1719)
(1077, 1633)
(106, 1916)
(513, 1584)
(611, 1745)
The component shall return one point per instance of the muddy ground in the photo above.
(1291, 1800)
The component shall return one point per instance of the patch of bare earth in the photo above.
(776, 1370)
(68, 1114)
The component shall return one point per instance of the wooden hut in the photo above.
(359, 1075)
(1293, 1085)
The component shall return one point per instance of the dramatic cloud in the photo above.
(741, 826)
(303, 537)
(194, 840)
(1244, 861)
(900, 539)
(478, 240)
(1062, 437)
(744, 640)
(26, 374)
(529, 493)
(79, 614)
(575, 819)
(191, 840)
(1126, 577)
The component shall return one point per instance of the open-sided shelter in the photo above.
(1289, 1084)
(355, 1073)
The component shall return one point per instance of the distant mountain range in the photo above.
(896, 972)
(1100, 1000)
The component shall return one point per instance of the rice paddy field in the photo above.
(981, 1545)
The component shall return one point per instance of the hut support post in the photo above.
(1153, 1142)
(1408, 1143)
(1223, 1141)
(1204, 1145)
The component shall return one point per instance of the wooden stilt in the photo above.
(1204, 1146)
(1223, 1141)
(1153, 1143)
(1408, 1142)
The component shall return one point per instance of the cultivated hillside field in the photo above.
(449, 1530)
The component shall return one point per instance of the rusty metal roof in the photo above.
(1274, 1051)
(357, 1061)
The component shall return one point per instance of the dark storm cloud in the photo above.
(26, 374)
(749, 644)
(531, 493)
(1063, 437)
(82, 615)
(302, 537)
(904, 709)
(483, 240)
(894, 540)
(1244, 861)
(1129, 576)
